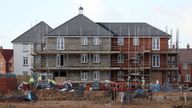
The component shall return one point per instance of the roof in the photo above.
(34, 34)
(185, 55)
(80, 25)
(7, 54)
(132, 29)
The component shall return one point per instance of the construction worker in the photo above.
(129, 82)
(51, 83)
(40, 78)
(31, 81)
(142, 82)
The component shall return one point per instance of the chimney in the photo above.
(81, 10)
(188, 46)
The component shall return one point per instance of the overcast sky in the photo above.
(17, 16)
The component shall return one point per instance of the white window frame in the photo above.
(84, 76)
(96, 75)
(84, 58)
(156, 43)
(58, 60)
(135, 40)
(155, 60)
(84, 40)
(25, 73)
(187, 78)
(120, 40)
(185, 66)
(96, 41)
(120, 58)
(25, 47)
(120, 75)
(25, 61)
(60, 43)
(96, 58)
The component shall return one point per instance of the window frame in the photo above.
(184, 66)
(96, 75)
(84, 76)
(156, 60)
(25, 61)
(84, 58)
(25, 47)
(58, 60)
(84, 40)
(60, 43)
(120, 75)
(187, 78)
(155, 43)
(96, 58)
(120, 40)
(96, 41)
(120, 58)
(135, 40)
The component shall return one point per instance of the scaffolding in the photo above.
(137, 58)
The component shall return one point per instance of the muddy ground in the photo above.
(94, 99)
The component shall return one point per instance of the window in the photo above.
(96, 41)
(120, 58)
(84, 76)
(25, 47)
(185, 66)
(84, 41)
(136, 40)
(120, 40)
(120, 76)
(96, 58)
(155, 61)
(60, 43)
(156, 44)
(187, 78)
(60, 60)
(25, 61)
(84, 58)
(96, 75)
(25, 73)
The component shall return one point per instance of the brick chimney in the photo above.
(188, 46)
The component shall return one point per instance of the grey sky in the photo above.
(17, 16)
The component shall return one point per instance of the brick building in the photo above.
(6, 60)
(83, 50)
(185, 65)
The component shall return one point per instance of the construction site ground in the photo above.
(93, 99)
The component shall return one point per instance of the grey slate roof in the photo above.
(185, 55)
(132, 29)
(34, 34)
(79, 25)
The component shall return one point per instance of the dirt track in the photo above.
(88, 104)
(94, 99)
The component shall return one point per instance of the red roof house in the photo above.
(6, 60)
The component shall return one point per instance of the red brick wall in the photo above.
(145, 44)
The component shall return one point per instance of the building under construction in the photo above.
(83, 50)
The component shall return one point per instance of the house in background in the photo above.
(83, 50)
(23, 48)
(6, 60)
(185, 65)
